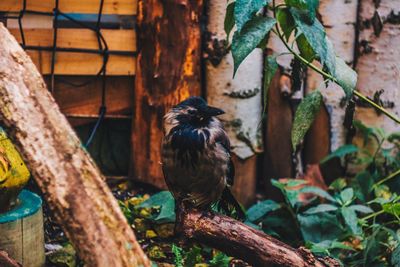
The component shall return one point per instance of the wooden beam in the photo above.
(86, 100)
(120, 7)
(120, 40)
(168, 72)
(68, 63)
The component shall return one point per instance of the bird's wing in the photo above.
(223, 139)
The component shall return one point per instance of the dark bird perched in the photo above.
(196, 158)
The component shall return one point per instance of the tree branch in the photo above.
(237, 239)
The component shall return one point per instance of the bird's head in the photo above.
(195, 110)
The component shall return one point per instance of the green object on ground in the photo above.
(28, 203)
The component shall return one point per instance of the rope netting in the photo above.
(102, 50)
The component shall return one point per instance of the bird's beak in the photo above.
(212, 111)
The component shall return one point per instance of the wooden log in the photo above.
(242, 241)
(22, 235)
(71, 182)
(378, 60)
(120, 7)
(240, 98)
(168, 72)
(6, 261)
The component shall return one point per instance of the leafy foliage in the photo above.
(298, 16)
(357, 220)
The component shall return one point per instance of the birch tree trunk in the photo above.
(378, 65)
(240, 98)
(72, 184)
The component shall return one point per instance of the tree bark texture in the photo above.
(168, 72)
(244, 242)
(72, 184)
(239, 97)
(378, 62)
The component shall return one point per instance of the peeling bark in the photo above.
(168, 72)
(72, 184)
(236, 238)
(378, 63)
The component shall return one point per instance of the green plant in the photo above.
(357, 220)
(295, 23)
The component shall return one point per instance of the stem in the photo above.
(389, 177)
(330, 77)
(373, 215)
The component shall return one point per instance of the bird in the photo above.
(196, 157)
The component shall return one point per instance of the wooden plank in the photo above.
(120, 40)
(120, 7)
(165, 77)
(86, 100)
(68, 63)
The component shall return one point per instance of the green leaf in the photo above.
(345, 76)
(321, 208)
(392, 208)
(270, 68)
(314, 33)
(361, 208)
(306, 51)
(363, 184)
(244, 11)
(229, 21)
(347, 195)
(394, 137)
(286, 22)
(220, 260)
(351, 220)
(178, 257)
(309, 5)
(245, 41)
(317, 191)
(259, 210)
(396, 256)
(165, 201)
(340, 152)
(305, 115)
(319, 227)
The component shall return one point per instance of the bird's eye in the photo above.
(191, 111)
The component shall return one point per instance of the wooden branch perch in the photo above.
(239, 240)
(68, 177)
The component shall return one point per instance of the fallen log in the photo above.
(239, 240)
(69, 179)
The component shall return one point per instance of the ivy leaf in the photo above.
(270, 68)
(340, 152)
(396, 256)
(321, 208)
(309, 5)
(305, 115)
(229, 21)
(245, 9)
(286, 21)
(316, 37)
(345, 76)
(351, 220)
(319, 227)
(260, 209)
(245, 41)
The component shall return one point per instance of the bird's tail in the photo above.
(229, 205)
